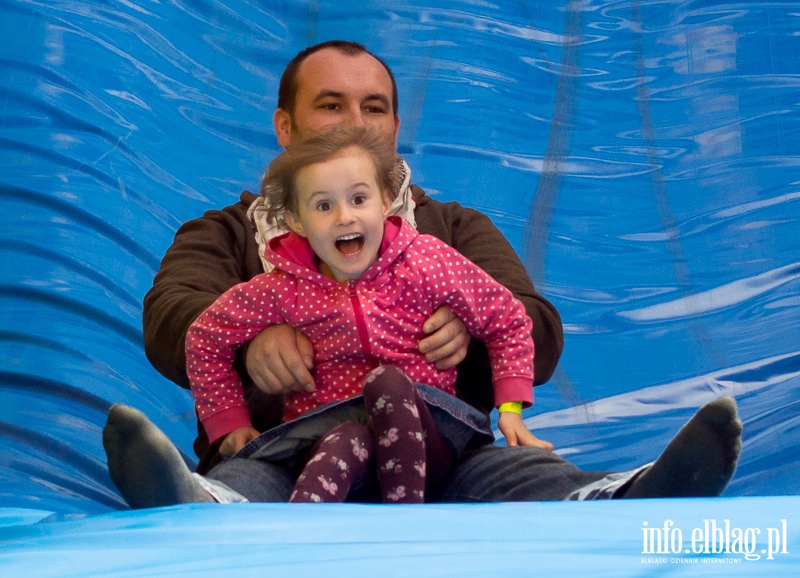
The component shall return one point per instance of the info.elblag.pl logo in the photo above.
(710, 538)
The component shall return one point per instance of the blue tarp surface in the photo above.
(642, 157)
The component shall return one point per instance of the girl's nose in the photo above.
(344, 214)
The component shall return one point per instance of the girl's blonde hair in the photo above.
(278, 182)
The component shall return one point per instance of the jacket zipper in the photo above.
(361, 325)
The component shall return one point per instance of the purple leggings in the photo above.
(408, 452)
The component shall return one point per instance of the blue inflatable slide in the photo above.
(643, 158)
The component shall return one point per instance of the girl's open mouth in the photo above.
(349, 245)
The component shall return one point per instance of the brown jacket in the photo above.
(218, 250)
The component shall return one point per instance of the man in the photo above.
(325, 86)
(332, 84)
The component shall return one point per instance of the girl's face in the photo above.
(341, 210)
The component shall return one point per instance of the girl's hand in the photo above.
(517, 434)
(237, 439)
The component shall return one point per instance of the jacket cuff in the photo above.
(513, 389)
(223, 422)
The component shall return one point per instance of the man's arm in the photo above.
(208, 256)
(474, 235)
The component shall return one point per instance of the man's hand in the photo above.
(517, 434)
(280, 359)
(236, 440)
(447, 341)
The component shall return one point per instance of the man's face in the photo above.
(334, 89)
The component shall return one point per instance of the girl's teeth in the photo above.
(350, 244)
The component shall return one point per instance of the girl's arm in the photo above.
(211, 343)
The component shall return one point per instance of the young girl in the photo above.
(359, 285)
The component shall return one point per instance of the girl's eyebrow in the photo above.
(323, 192)
(353, 186)
(315, 194)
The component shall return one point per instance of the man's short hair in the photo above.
(287, 90)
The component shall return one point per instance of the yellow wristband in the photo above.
(511, 406)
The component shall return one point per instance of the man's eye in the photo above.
(330, 106)
(375, 109)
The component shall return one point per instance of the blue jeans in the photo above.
(462, 427)
(489, 474)
(266, 469)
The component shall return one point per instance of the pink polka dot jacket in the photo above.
(357, 326)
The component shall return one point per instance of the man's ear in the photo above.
(282, 122)
(293, 222)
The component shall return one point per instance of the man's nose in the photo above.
(355, 116)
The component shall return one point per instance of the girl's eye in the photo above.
(359, 199)
(324, 206)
